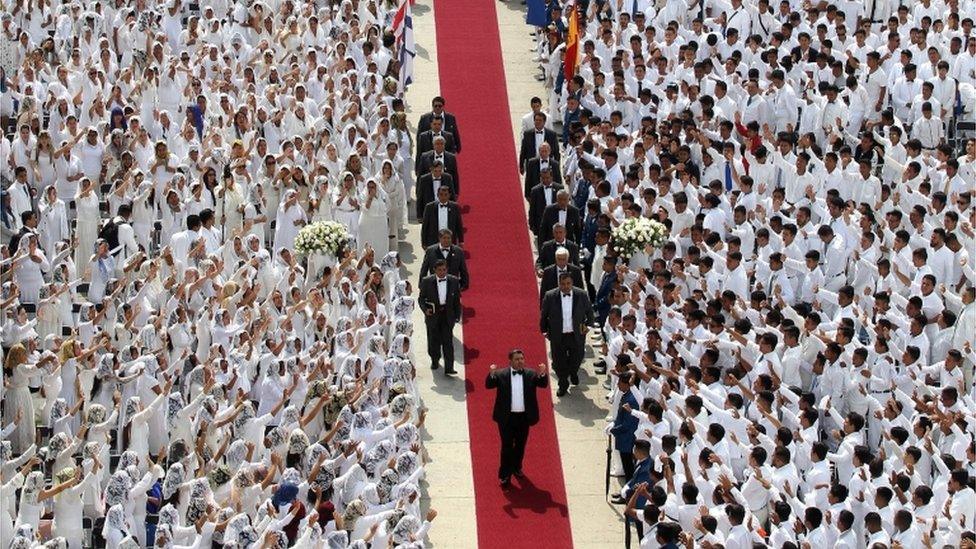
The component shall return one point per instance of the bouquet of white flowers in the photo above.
(327, 237)
(635, 234)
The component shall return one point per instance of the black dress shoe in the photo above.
(519, 474)
(505, 482)
(435, 365)
(449, 371)
(574, 379)
(562, 391)
(616, 499)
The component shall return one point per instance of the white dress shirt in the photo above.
(442, 216)
(518, 394)
(566, 301)
(442, 290)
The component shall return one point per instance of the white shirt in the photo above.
(442, 216)
(540, 138)
(442, 290)
(518, 394)
(567, 303)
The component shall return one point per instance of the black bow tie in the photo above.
(538, 132)
(439, 280)
(445, 250)
(516, 372)
(567, 295)
(443, 205)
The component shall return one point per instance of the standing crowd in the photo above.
(794, 366)
(175, 373)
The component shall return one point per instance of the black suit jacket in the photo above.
(429, 301)
(533, 177)
(550, 279)
(450, 166)
(550, 216)
(501, 379)
(425, 142)
(810, 56)
(527, 149)
(456, 264)
(426, 194)
(16, 238)
(547, 254)
(429, 228)
(450, 125)
(551, 317)
(537, 205)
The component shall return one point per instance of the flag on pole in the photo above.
(403, 32)
(571, 58)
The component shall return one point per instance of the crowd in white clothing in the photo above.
(794, 366)
(176, 373)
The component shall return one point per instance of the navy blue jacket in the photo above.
(624, 428)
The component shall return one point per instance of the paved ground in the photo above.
(579, 417)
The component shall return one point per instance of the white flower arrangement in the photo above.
(326, 237)
(634, 235)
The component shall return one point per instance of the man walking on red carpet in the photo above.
(516, 409)
(565, 319)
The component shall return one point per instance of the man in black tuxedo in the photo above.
(565, 319)
(425, 141)
(551, 274)
(534, 138)
(446, 250)
(450, 121)
(540, 198)
(28, 220)
(439, 154)
(516, 409)
(535, 166)
(563, 212)
(803, 53)
(429, 185)
(547, 254)
(439, 215)
(440, 299)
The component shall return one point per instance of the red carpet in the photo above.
(501, 308)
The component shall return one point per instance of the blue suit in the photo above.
(624, 428)
(642, 473)
(602, 302)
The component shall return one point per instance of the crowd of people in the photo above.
(794, 366)
(175, 372)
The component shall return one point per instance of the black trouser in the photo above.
(567, 354)
(514, 433)
(627, 460)
(440, 339)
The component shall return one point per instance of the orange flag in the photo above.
(571, 59)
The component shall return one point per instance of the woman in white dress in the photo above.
(396, 200)
(345, 205)
(86, 202)
(45, 162)
(290, 219)
(400, 134)
(53, 224)
(30, 268)
(320, 200)
(18, 406)
(374, 228)
(68, 505)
